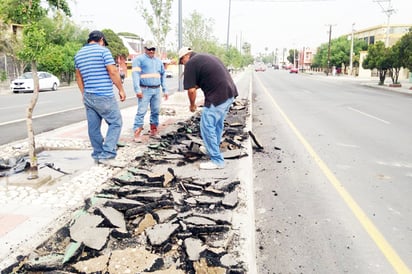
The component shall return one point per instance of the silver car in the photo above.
(24, 83)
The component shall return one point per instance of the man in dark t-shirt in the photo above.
(207, 72)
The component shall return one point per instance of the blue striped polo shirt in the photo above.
(92, 60)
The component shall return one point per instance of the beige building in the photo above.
(388, 35)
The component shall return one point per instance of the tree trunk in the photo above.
(382, 75)
(34, 170)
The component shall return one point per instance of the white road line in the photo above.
(369, 115)
(39, 116)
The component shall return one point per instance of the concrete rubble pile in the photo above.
(148, 219)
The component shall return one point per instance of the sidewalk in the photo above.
(368, 81)
(30, 214)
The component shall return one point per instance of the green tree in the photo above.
(30, 13)
(378, 58)
(157, 19)
(405, 50)
(198, 33)
(116, 45)
(395, 62)
(293, 55)
(339, 52)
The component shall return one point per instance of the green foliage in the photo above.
(198, 35)
(158, 19)
(405, 50)
(378, 58)
(34, 42)
(116, 45)
(339, 52)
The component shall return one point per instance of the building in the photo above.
(388, 35)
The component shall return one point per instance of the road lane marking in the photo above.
(383, 245)
(369, 115)
(40, 116)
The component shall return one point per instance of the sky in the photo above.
(265, 24)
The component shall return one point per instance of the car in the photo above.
(169, 74)
(294, 70)
(260, 68)
(24, 83)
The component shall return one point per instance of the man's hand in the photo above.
(139, 95)
(193, 107)
(122, 95)
(166, 96)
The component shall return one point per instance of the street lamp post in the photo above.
(228, 26)
(351, 52)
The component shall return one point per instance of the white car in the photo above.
(24, 83)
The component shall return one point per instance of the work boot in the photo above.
(154, 133)
(138, 135)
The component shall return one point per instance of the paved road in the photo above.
(54, 109)
(332, 187)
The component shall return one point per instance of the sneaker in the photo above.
(112, 162)
(210, 165)
(154, 133)
(138, 135)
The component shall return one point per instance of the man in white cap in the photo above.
(148, 76)
(208, 73)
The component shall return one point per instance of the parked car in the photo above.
(24, 83)
(169, 74)
(294, 70)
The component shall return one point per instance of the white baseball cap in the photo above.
(183, 51)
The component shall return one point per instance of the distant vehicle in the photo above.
(169, 74)
(24, 83)
(260, 67)
(294, 70)
(275, 66)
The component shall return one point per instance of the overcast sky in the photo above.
(266, 24)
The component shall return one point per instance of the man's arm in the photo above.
(79, 80)
(136, 70)
(117, 81)
(191, 93)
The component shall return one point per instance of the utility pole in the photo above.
(330, 36)
(228, 26)
(180, 44)
(388, 11)
(351, 52)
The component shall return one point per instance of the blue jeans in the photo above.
(152, 98)
(211, 129)
(97, 109)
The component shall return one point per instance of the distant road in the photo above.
(53, 109)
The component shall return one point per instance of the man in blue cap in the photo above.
(96, 73)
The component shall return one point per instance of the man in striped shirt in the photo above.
(96, 73)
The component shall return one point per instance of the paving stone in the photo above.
(228, 260)
(131, 260)
(123, 204)
(93, 265)
(160, 233)
(150, 196)
(193, 248)
(116, 218)
(49, 261)
(85, 230)
(197, 220)
(146, 222)
(231, 199)
(165, 215)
